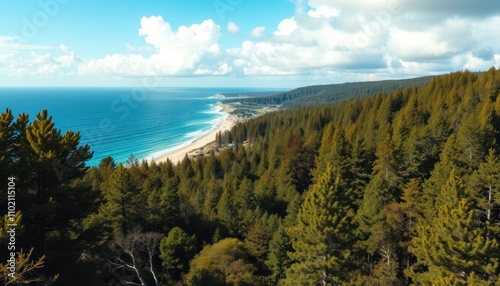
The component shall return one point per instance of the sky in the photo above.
(242, 43)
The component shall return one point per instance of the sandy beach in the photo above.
(226, 123)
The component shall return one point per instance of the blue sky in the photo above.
(274, 43)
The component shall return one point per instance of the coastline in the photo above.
(226, 123)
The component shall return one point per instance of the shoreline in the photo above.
(227, 122)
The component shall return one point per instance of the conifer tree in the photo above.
(257, 243)
(386, 162)
(163, 207)
(227, 212)
(278, 259)
(468, 146)
(411, 208)
(485, 192)
(323, 236)
(348, 160)
(120, 211)
(176, 250)
(431, 188)
(453, 247)
(6, 143)
(370, 216)
(46, 160)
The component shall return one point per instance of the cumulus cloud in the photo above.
(364, 40)
(437, 42)
(286, 27)
(19, 60)
(379, 36)
(465, 8)
(323, 12)
(233, 28)
(222, 69)
(305, 44)
(258, 32)
(176, 51)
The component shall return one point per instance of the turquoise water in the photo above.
(119, 122)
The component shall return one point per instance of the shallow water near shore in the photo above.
(119, 122)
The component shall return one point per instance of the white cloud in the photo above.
(29, 61)
(306, 44)
(376, 37)
(233, 28)
(324, 39)
(13, 44)
(176, 52)
(223, 69)
(438, 42)
(286, 27)
(465, 8)
(476, 64)
(258, 32)
(323, 12)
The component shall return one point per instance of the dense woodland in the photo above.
(330, 93)
(392, 189)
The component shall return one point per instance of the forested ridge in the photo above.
(398, 188)
(330, 93)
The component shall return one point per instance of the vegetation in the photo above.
(325, 94)
(397, 188)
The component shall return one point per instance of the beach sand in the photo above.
(226, 123)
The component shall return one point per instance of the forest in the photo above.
(396, 188)
(330, 93)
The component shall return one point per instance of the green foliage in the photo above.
(176, 250)
(46, 163)
(163, 211)
(484, 190)
(453, 246)
(390, 189)
(257, 241)
(278, 259)
(121, 209)
(323, 237)
(223, 263)
(370, 215)
(324, 94)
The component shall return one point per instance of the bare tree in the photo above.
(135, 252)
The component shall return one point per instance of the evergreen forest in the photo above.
(400, 187)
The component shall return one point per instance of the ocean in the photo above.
(119, 122)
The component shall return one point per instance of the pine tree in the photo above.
(6, 143)
(370, 216)
(163, 209)
(257, 243)
(431, 188)
(46, 160)
(386, 162)
(348, 160)
(485, 192)
(411, 210)
(278, 259)
(453, 247)
(120, 211)
(323, 237)
(467, 148)
(227, 212)
(176, 250)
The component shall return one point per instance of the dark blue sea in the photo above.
(119, 122)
